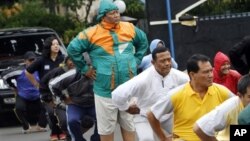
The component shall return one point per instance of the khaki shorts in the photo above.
(108, 116)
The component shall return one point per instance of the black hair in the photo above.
(47, 46)
(161, 42)
(245, 42)
(192, 63)
(158, 50)
(66, 59)
(243, 84)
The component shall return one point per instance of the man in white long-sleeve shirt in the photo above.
(147, 88)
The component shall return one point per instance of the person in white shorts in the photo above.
(146, 88)
(115, 48)
(215, 125)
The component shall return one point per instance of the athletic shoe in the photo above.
(54, 137)
(62, 136)
(27, 131)
(40, 129)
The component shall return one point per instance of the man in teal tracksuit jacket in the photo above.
(116, 49)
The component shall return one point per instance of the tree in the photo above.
(215, 7)
(73, 5)
(135, 8)
(51, 4)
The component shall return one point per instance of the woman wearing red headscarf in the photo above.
(223, 74)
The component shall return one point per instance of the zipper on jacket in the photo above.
(131, 75)
(113, 78)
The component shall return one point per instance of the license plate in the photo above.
(9, 100)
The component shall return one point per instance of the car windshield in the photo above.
(14, 46)
(17, 46)
(14, 43)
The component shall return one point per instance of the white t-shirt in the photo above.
(217, 122)
(147, 87)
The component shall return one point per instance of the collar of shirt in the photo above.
(159, 75)
(191, 92)
(109, 26)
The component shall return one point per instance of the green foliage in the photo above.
(2, 20)
(34, 14)
(30, 16)
(72, 4)
(135, 9)
(215, 7)
(71, 33)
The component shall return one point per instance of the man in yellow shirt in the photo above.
(190, 101)
(224, 115)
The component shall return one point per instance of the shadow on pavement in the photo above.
(8, 120)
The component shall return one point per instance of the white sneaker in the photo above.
(27, 131)
(40, 129)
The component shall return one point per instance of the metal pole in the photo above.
(170, 29)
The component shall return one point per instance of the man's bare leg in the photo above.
(109, 137)
(128, 135)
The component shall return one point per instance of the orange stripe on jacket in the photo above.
(101, 37)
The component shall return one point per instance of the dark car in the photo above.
(14, 42)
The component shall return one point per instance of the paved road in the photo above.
(14, 133)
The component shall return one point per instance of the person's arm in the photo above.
(32, 69)
(156, 126)
(216, 120)
(144, 61)
(32, 79)
(161, 108)
(182, 77)
(202, 135)
(45, 93)
(123, 94)
(61, 83)
(76, 48)
(91, 73)
(141, 45)
(236, 53)
(10, 76)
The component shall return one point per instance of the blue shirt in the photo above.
(25, 88)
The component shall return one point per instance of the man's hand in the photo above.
(67, 100)
(91, 73)
(37, 85)
(167, 139)
(51, 104)
(133, 109)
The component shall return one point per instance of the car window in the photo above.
(15, 42)
(18, 45)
